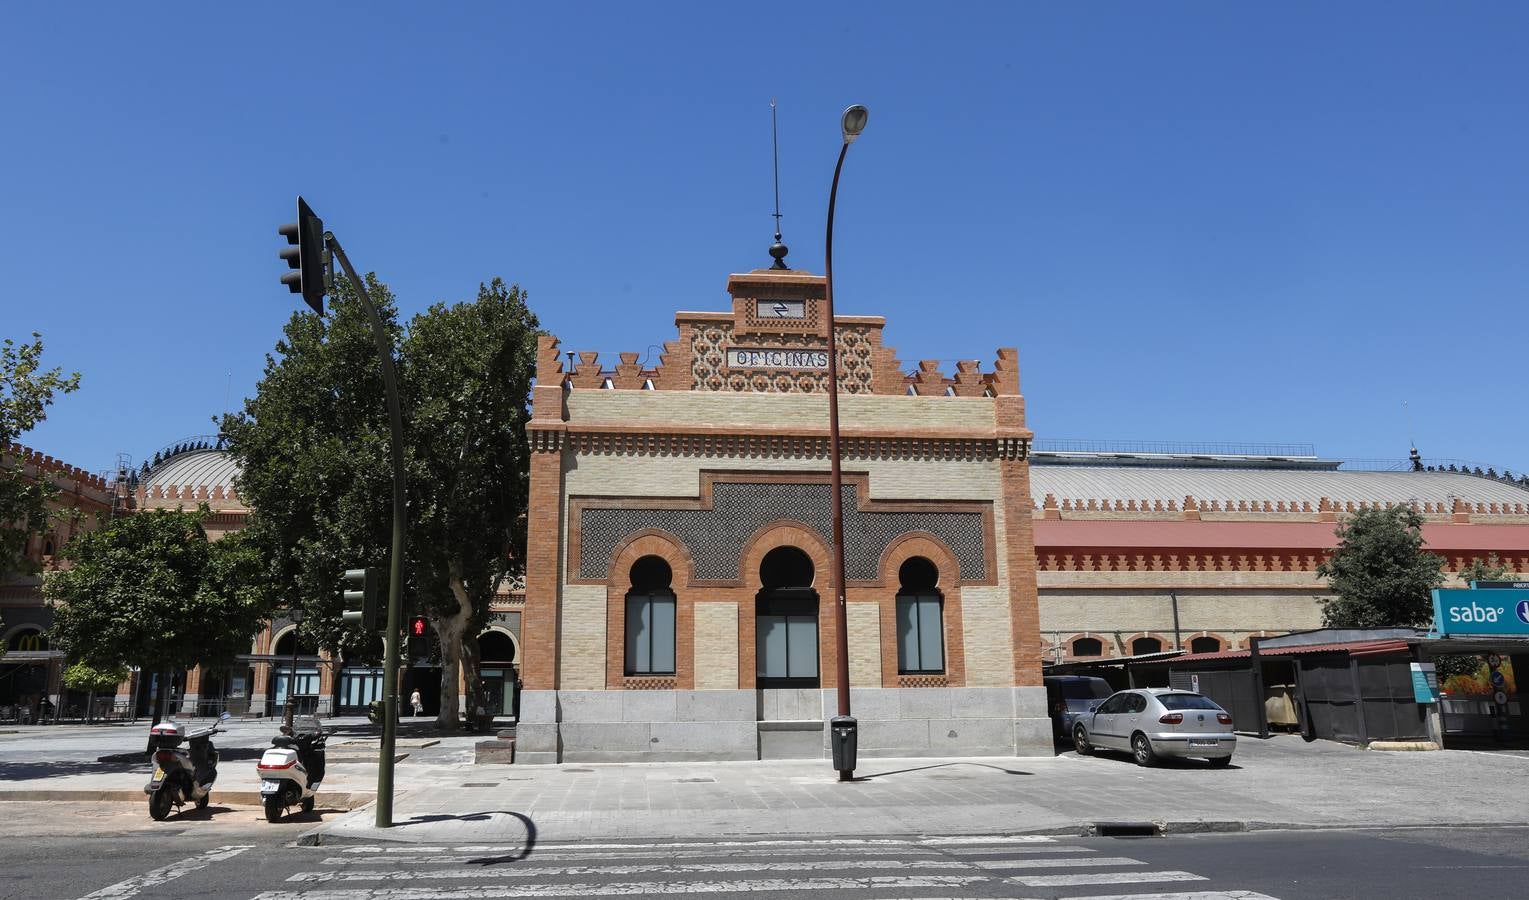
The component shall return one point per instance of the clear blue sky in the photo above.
(1197, 221)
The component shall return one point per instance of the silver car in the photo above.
(1151, 723)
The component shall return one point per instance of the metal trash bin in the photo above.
(843, 741)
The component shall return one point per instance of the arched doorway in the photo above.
(786, 621)
(497, 668)
(305, 688)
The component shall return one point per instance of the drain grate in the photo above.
(1127, 829)
(481, 784)
(695, 781)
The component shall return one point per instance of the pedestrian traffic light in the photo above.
(419, 640)
(306, 255)
(360, 593)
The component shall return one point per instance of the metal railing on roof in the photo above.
(1068, 445)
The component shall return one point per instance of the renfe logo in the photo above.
(1476, 613)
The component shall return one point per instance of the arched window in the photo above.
(1205, 645)
(1087, 647)
(920, 619)
(650, 619)
(28, 639)
(1146, 645)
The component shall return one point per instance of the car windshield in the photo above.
(1186, 701)
(1084, 690)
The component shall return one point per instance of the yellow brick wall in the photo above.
(985, 621)
(1131, 611)
(864, 620)
(583, 657)
(680, 476)
(670, 408)
(716, 646)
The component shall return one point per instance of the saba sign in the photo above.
(1501, 611)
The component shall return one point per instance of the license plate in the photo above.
(268, 786)
(159, 774)
(1204, 743)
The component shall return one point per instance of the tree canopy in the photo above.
(313, 450)
(26, 392)
(1380, 572)
(150, 590)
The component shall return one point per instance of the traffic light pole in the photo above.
(395, 567)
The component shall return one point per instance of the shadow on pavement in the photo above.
(525, 850)
(942, 766)
(26, 771)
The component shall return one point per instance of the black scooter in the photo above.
(181, 776)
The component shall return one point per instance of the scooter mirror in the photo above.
(224, 716)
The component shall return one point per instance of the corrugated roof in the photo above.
(1353, 648)
(199, 468)
(1152, 484)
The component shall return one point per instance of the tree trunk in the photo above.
(472, 676)
(451, 630)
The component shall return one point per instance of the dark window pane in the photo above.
(1186, 701)
(1087, 647)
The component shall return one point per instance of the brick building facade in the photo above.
(678, 591)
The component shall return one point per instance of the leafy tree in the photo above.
(1380, 572)
(313, 447)
(82, 677)
(26, 392)
(149, 590)
(1490, 569)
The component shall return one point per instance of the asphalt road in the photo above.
(234, 855)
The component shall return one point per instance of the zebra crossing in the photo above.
(945, 868)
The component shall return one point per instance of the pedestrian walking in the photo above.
(417, 703)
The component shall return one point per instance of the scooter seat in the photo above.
(282, 740)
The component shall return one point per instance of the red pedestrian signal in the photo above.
(419, 640)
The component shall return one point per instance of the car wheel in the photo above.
(1141, 748)
(1220, 762)
(1080, 741)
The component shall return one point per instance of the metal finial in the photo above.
(777, 250)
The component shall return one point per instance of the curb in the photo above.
(319, 835)
(346, 801)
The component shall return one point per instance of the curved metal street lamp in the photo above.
(850, 124)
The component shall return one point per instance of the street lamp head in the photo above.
(853, 122)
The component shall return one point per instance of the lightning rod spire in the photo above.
(777, 249)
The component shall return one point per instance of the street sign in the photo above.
(1497, 611)
(1425, 683)
(1499, 698)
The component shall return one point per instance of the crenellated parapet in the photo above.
(38, 463)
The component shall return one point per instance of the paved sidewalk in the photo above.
(1279, 782)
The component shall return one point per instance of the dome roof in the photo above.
(197, 469)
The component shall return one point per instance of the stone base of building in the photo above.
(670, 726)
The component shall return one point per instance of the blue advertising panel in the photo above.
(1493, 611)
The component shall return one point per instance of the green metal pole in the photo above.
(395, 570)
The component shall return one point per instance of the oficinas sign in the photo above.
(746, 358)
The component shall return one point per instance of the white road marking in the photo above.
(537, 856)
(491, 874)
(624, 889)
(995, 840)
(1104, 878)
(1187, 895)
(132, 886)
(1073, 862)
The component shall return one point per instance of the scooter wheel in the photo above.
(202, 803)
(308, 805)
(159, 805)
(272, 809)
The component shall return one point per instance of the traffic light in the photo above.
(306, 255)
(419, 637)
(360, 592)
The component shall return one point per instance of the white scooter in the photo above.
(181, 776)
(290, 772)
